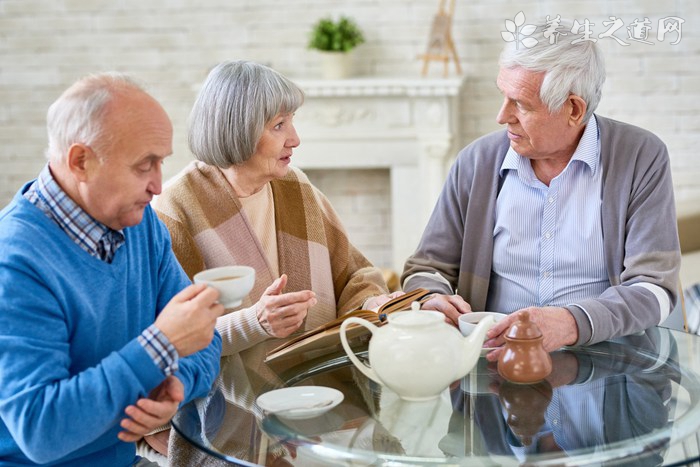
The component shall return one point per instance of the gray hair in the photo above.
(236, 101)
(569, 68)
(77, 116)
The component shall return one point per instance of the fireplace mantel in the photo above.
(409, 126)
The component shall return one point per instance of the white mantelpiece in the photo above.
(410, 126)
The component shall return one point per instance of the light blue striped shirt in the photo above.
(548, 240)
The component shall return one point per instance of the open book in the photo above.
(328, 335)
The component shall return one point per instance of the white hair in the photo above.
(77, 115)
(236, 101)
(570, 66)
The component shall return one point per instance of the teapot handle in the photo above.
(367, 371)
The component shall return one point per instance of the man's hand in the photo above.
(280, 314)
(189, 318)
(557, 324)
(452, 306)
(150, 413)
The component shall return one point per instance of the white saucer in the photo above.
(299, 402)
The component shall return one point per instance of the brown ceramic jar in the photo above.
(524, 359)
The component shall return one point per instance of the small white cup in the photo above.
(468, 321)
(232, 282)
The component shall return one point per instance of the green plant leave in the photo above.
(335, 36)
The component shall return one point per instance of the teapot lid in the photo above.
(523, 328)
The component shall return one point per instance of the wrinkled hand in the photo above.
(280, 314)
(375, 302)
(452, 306)
(189, 318)
(150, 413)
(557, 324)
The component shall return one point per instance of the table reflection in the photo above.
(605, 395)
(625, 401)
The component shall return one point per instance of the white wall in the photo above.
(171, 44)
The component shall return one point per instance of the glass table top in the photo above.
(631, 401)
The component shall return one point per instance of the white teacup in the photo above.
(232, 282)
(468, 321)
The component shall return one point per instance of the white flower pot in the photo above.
(336, 65)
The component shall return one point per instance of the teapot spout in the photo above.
(473, 343)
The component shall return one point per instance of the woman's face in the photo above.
(274, 150)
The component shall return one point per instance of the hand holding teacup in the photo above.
(189, 318)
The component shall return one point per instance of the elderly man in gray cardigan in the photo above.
(565, 214)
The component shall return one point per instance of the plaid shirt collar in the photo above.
(89, 234)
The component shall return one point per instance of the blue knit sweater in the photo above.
(69, 359)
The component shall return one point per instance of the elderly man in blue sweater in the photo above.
(102, 335)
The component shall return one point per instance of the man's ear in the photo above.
(80, 160)
(578, 110)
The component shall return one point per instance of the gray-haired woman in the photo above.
(242, 202)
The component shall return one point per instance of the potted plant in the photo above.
(335, 39)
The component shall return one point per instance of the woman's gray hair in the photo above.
(77, 116)
(577, 68)
(236, 101)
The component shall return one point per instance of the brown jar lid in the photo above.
(523, 328)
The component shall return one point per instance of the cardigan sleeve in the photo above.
(641, 239)
(240, 330)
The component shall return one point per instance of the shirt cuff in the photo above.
(159, 348)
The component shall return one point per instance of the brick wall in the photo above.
(171, 44)
(362, 198)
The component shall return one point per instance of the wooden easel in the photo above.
(441, 47)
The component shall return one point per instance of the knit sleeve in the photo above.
(240, 330)
(41, 397)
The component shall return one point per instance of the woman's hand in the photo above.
(280, 314)
(375, 302)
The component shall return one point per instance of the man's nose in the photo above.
(155, 185)
(505, 114)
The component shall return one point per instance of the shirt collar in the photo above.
(587, 152)
(90, 234)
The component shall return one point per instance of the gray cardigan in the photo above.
(639, 228)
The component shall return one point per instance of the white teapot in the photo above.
(417, 354)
